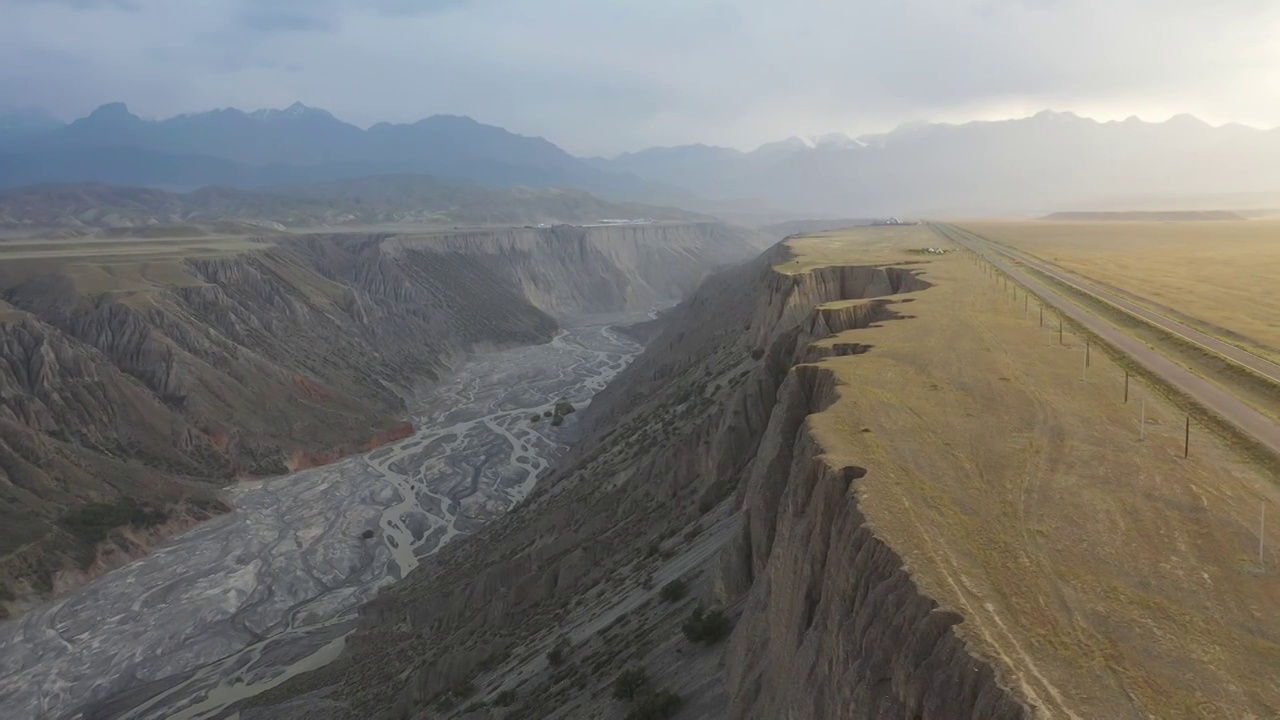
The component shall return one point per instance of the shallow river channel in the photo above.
(244, 602)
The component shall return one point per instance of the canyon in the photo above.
(696, 452)
(142, 374)
(850, 478)
(889, 485)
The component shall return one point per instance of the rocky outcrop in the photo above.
(712, 417)
(160, 380)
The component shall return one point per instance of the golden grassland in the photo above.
(884, 243)
(96, 266)
(1219, 276)
(1104, 575)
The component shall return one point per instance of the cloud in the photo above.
(605, 77)
(301, 15)
(275, 21)
(77, 4)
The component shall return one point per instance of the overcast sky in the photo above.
(600, 76)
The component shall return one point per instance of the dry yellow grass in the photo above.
(1105, 576)
(1220, 276)
(124, 250)
(884, 243)
(108, 277)
(9, 313)
(96, 266)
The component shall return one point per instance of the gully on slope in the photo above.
(241, 604)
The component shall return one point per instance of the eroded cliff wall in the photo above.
(833, 625)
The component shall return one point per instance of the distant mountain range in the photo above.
(79, 208)
(279, 147)
(1044, 163)
(1050, 161)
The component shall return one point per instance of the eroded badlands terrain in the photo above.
(249, 599)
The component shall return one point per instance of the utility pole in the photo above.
(1042, 316)
(1060, 330)
(1262, 532)
(1086, 352)
(1142, 422)
(1186, 440)
(1126, 387)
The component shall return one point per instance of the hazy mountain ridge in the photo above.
(1041, 163)
(1044, 163)
(395, 199)
(295, 145)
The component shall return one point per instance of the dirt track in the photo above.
(1222, 403)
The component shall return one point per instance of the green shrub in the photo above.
(709, 627)
(466, 688)
(536, 417)
(631, 683)
(557, 421)
(655, 706)
(506, 698)
(564, 407)
(92, 523)
(674, 590)
(559, 652)
(494, 659)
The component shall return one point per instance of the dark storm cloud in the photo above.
(606, 76)
(274, 21)
(324, 14)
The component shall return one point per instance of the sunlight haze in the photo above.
(607, 77)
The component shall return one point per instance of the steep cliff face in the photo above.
(833, 624)
(155, 378)
(701, 443)
(572, 269)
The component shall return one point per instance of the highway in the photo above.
(1209, 395)
(1237, 355)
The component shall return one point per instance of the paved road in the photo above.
(1209, 395)
(1240, 356)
